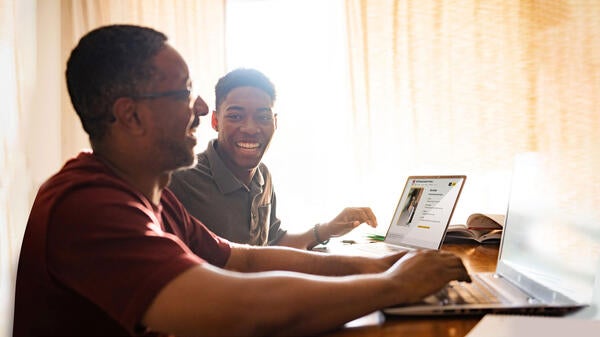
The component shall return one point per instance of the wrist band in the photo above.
(317, 238)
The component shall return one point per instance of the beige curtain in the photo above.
(15, 178)
(464, 85)
(38, 128)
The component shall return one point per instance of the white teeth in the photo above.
(248, 145)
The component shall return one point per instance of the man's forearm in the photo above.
(304, 240)
(267, 303)
(212, 301)
(253, 259)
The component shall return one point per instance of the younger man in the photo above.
(230, 190)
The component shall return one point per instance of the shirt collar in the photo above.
(226, 181)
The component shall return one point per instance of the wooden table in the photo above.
(477, 258)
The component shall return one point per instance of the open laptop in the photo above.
(421, 217)
(543, 265)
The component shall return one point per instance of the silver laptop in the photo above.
(542, 265)
(421, 217)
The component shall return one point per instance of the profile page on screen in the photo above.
(424, 211)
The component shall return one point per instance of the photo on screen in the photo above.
(410, 206)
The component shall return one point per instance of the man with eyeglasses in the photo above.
(109, 251)
(230, 190)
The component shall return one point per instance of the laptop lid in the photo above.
(543, 251)
(424, 211)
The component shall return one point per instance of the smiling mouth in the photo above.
(248, 145)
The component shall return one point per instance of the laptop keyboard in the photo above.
(463, 293)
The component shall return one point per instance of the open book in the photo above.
(483, 228)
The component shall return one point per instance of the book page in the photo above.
(485, 221)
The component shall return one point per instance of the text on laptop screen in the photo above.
(424, 211)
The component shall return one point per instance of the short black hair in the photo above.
(109, 62)
(242, 77)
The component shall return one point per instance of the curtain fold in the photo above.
(17, 66)
(462, 86)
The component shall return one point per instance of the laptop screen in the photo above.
(424, 211)
(541, 239)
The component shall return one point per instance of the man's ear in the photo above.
(214, 121)
(125, 112)
(275, 120)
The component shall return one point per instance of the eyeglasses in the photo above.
(183, 95)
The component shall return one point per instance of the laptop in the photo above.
(420, 219)
(542, 265)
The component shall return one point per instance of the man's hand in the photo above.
(418, 274)
(347, 220)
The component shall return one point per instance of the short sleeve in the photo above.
(197, 237)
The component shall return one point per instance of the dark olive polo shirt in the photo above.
(239, 213)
